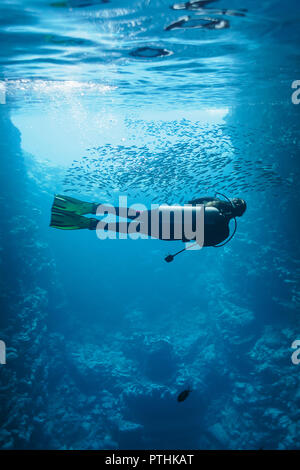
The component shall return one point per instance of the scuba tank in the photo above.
(170, 258)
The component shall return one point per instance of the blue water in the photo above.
(102, 336)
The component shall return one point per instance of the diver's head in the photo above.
(239, 206)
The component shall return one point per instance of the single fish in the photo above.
(187, 22)
(192, 5)
(183, 395)
(149, 52)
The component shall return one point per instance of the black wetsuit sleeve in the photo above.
(223, 206)
(202, 200)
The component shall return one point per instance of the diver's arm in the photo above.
(202, 200)
(222, 206)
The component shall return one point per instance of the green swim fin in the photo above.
(70, 221)
(70, 204)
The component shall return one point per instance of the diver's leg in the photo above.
(120, 226)
(102, 209)
(64, 220)
(70, 204)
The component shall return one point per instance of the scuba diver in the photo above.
(68, 214)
